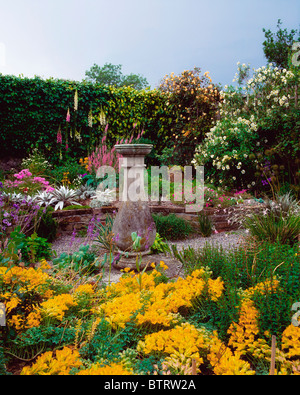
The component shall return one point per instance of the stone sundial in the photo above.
(134, 213)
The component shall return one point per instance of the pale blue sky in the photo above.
(64, 38)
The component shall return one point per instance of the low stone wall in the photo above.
(79, 219)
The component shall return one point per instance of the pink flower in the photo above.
(50, 189)
(40, 180)
(59, 137)
(68, 119)
(23, 174)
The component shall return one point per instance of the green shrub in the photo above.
(47, 227)
(37, 248)
(275, 229)
(279, 222)
(36, 163)
(206, 226)
(32, 249)
(159, 246)
(241, 269)
(171, 227)
(3, 361)
(83, 261)
(70, 166)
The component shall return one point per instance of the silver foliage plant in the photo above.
(64, 196)
(85, 192)
(103, 198)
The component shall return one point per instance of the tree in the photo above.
(111, 74)
(192, 102)
(277, 46)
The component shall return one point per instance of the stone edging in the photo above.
(79, 219)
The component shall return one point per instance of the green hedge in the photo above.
(32, 110)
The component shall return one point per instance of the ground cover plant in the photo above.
(146, 323)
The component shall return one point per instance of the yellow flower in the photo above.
(44, 265)
(17, 321)
(33, 320)
(57, 306)
(184, 339)
(244, 332)
(114, 369)
(60, 364)
(12, 303)
(291, 341)
(119, 310)
(163, 265)
(85, 289)
(224, 362)
(215, 288)
(262, 288)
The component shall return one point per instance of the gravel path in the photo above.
(224, 239)
(227, 240)
(231, 239)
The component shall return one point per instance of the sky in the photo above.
(64, 38)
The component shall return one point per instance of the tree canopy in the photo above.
(277, 46)
(111, 75)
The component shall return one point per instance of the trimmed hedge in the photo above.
(32, 110)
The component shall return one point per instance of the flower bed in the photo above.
(141, 325)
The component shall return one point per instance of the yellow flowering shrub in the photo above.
(57, 306)
(291, 341)
(262, 288)
(49, 364)
(215, 288)
(18, 284)
(86, 289)
(26, 280)
(225, 362)
(184, 340)
(115, 369)
(243, 333)
(158, 304)
(128, 284)
(167, 299)
(119, 310)
(33, 299)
